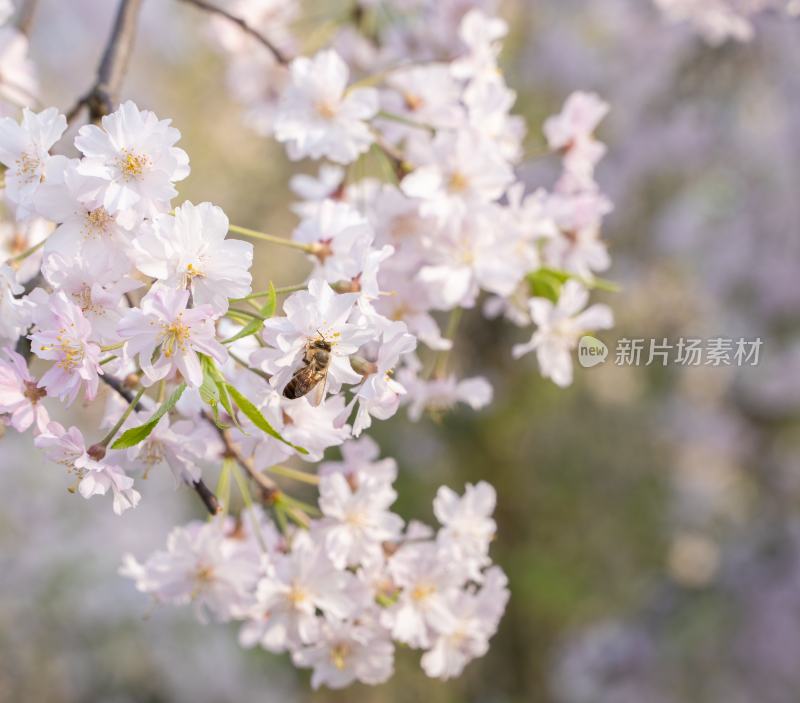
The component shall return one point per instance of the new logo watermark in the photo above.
(591, 351)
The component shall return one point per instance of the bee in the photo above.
(313, 373)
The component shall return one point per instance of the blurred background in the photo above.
(648, 516)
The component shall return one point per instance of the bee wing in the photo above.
(318, 394)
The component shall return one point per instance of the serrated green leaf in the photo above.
(255, 416)
(254, 326)
(132, 437)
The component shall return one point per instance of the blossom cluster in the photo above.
(338, 595)
(113, 283)
(719, 20)
(452, 221)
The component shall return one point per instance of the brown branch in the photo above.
(267, 485)
(25, 16)
(104, 94)
(280, 57)
(204, 492)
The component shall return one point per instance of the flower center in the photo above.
(413, 102)
(422, 591)
(72, 352)
(458, 182)
(132, 165)
(204, 574)
(339, 654)
(297, 595)
(83, 298)
(33, 393)
(96, 223)
(28, 166)
(176, 334)
(153, 452)
(191, 273)
(356, 518)
(326, 109)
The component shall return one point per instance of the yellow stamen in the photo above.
(422, 591)
(339, 654)
(176, 334)
(132, 165)
(458, 182)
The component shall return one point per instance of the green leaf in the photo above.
(223, 490)
(209, 393)
(225, 399)
(217, 392)
(564, 276)
(254, 326)
(543, 284)
(133, 436)
(255, 416)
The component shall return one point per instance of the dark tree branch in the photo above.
(104, 94)
(204, 492)
(280, 57)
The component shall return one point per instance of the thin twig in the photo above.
(280, 57)
(104, 94)
(266, 483)
(204, 492)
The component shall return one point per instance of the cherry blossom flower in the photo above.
(313, 427)
(133, 154)
(315, 190)
(201, 565)
(75, 202)
(475, 253)
(164, 322)
(318, 118)
(189, 250)
(25, 152)
(62, 335)
(183, 445)
(318, 313)
(440, 394)
(428, 95)
(360, 462)
(474, 621)
(457, 169)
(295, 587)
(560, 326)
(428, 583)
(357, 520)
(467, 524)
(577, 122)
(96, 284)
(347, 259)
(481, 34)
(21, 395)
(67, 447)
(379, 394)
(346, 652)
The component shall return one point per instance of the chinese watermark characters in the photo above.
(684, 351)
